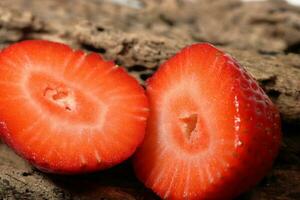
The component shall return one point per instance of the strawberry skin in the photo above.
(212, 132)
(66, 111)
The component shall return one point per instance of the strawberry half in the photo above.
(212, 132)
(66, 111)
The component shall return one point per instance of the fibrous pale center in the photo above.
(61, 96)
(189, 124)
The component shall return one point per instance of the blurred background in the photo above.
(264, 36)
(270, 26)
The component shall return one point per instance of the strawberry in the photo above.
(66, 111)
(212, 132)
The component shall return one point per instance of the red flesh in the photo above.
(67, 111)
(212, 132)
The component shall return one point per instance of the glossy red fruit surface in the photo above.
(212, 132)
(66, 111)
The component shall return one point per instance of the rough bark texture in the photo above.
(263, 37)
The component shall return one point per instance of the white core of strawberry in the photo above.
(189, 125)
(61, 96)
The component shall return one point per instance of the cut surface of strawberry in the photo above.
(66, 111)
(212, 132)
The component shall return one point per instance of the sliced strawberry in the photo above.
(67, 111)
(212, 132)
